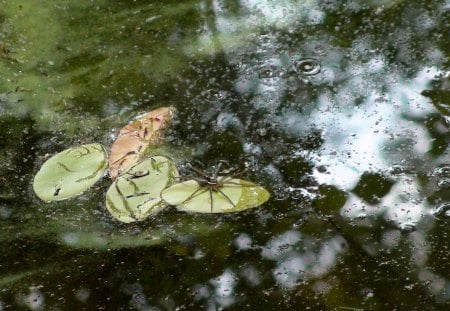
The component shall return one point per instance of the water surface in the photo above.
(339, 108)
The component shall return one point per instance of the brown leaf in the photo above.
(135, 137)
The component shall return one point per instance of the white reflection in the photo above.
(390, 238)
(285, 12)
(251, 275)
(83, 294)
(281, 245)
(225, 120)
(201, 292)
(364, 116)
(327, 256)
(404, 204)
(359, 139)
(243, 242)
(435, 283)
(5, 212)
(198, 254)
(299, 257)
(289, 271)
(138, 300)
(34, 300)
(77, 239)
(420, 247)
(322, 287)
(224, 288)
(232, 31)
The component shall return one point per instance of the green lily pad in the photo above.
(135, 194)
(70, 172)
(228, 195)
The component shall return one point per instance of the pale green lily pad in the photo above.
(232, 195)
(70, 172)
(135, 194)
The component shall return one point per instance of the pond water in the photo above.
(341, 109)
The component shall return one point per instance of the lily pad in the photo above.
(70, 172)
(135, 194)
(226, 196)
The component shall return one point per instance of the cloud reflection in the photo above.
(300, 257)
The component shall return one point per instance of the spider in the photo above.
(213, 183)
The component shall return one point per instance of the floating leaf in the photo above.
(135, 194)
(70, 172)
(224, 195)
(135, 137)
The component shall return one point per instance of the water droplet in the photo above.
(407, 226)
(262, 132)
(296, 193)
(441, 171)
(441, 210)
(362, 215)
(444, 183)
(268, 71)
(446, 120)
(280, 194)
(397, 169)
(307, 66)
(297, 224)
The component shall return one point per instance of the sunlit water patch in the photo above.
(299, 258)
(369, 138)
(363, 109)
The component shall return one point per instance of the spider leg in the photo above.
(182, 178)
(195, 193)
(234, 183)
(228, 168)
(216, 173)
(198, 171)
(242, 183)
(238, 174)
(224, 162)
(211, 198)
(226, 197)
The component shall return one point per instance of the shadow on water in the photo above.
(339, 108)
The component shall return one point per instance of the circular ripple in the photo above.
(307, 66)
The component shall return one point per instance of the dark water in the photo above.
(340, 108)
